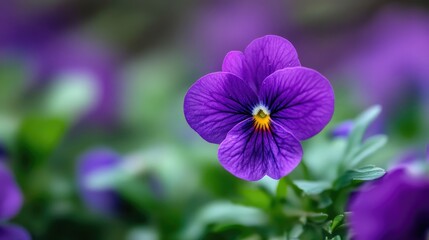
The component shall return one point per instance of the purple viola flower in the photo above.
(10, 203)
(259, 108)
(393, 207)
(105, 201)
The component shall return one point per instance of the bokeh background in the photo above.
(90, 85)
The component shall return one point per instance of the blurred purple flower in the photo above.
(412, 160)
(12, 232)
(39, 37)
(223, 25)
(259, 108)
(391, 66)
(10, 203)
(86, 59)
(393, 207)
(343, 129)
(23, 26)
(10, 194)
(105, 201)
(409, 157)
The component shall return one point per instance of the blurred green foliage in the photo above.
(170, 180)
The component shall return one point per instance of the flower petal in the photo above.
(300, 99)
(266, 55)
(105, 201)
(216, 103)
(383, 196)
(14, 232)
(233, 63)
(250, 154)
(10, 194)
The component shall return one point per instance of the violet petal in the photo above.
(393, 207)
(105, 201)
(234, 63)
(250, 155)
(216, 103)
(300, 99)
(266, 55)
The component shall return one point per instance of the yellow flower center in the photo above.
(261, 118)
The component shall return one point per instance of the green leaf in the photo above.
(12, 82)
(128, 170)
(296, 231)
(225, 213)
(70, 95)
(293, 186)
(269, 184)
(366, 173)
(324, 201)
(38, 137)
(9, 126)
(336, 222)
(312, 187)
(254, 197)
(327, 227)
(281, 191)
(336, 238)
(137, 233)
(370, 146)
(317, 217)
(361, 123)
(223, 227)
(138, 193)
